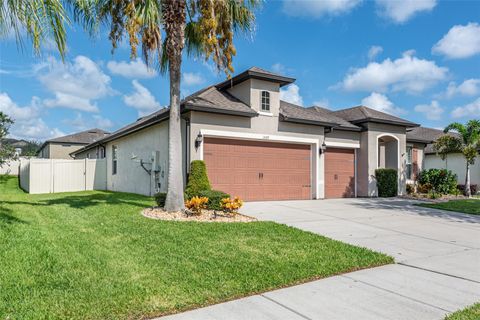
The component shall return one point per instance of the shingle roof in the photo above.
(212, 99)
(256, 73)
(83, 137)
(365, 114)
(342, 123)
(426, 135)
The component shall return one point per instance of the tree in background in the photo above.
(6, 152)
(467, 143)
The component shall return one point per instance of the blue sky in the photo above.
(418, 59)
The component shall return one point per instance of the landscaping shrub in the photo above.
(196, 204)
(410, 188)
(197, 180)
(473, 188)
(214, 198)
(440, 180)
(160, 198)
(231, 205)
(387, 182)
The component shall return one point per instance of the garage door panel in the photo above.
(234, 166)
(339, 173)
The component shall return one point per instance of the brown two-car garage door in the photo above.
(255, 170)
(339, 173)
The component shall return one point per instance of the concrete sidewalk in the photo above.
(437, 270)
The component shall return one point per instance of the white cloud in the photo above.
(292, 94)
(71, 102)
(318, 8)
(381, 103)
(432, 111)
(131, 69)
(28, 124)
(74, 85)
(374, 51)
(80, 123)
(324, 103)
(141, 99)
(402, 11)
(192, 79)
(407, 73)
(470, 87)
(16, 112)
(460, 42)
(468, 110)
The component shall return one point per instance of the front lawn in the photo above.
(91, 255)
(471, 206)
(470, 313)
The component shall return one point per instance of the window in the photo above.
(114, 159)
(265, 101)
(409, 163)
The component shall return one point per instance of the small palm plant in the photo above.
(467, 142)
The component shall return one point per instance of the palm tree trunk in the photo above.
(468, 191)
(174, 16)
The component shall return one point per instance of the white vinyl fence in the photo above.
(57, 175)
(11, 167)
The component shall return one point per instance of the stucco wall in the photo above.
(342, 136)
(265, 127)
(58, 151)
(456, 163)
(249, 91)
(130, 176)
(367, 161)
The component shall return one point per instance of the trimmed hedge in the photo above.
(160, 198)
(387, 182)
(441, 181)
(198, 179)
(214, 198)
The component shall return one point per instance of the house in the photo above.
(61, 147)
(454, 162)
(259, 147)
(20, 146)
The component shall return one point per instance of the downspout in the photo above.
(187, 148)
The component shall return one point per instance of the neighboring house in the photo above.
(62, 147)
(259, 147)
(19, 145)
(454, 162)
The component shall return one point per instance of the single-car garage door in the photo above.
(255, 170)
(339, 173)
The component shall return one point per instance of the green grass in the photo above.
(470, 206)
(91, 255)
(470, 313)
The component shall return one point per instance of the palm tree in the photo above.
(204, 27)
(468, 143)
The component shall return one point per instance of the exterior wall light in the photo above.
(322, 148)
(198, 140)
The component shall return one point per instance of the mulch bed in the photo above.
(206, 216)
(425, 197)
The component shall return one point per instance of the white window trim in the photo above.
(272, 138)
(264, 113)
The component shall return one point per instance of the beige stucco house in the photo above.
(62, 147)
(454, 162)
(259, 147)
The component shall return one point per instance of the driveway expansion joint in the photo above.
(437, 272)
(285, 307)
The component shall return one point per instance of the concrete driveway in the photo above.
(437, 270)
